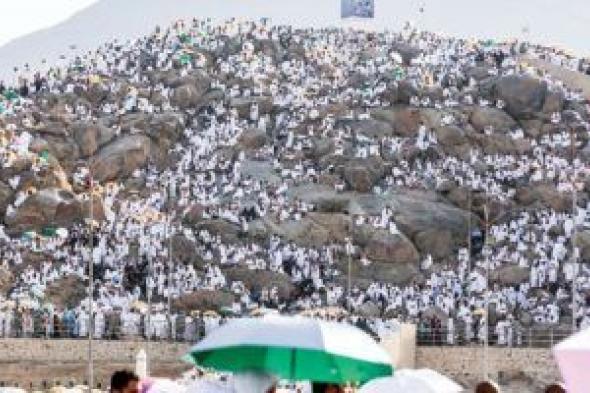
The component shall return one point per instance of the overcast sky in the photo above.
(562, 22)
(20, 17)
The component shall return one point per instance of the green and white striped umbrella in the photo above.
(293, 348)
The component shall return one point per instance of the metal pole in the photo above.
(574, 258)
(349, 281)
(469, 205)
(149, 311)
(169, 232)
(487, 294)
(91, 290)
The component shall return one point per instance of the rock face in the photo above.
(90, 137)
(258, 280)
(438, 243)
(381, 246)
(544, 195)
(66, 292)
(253, 139)
(5, 197)
(583, 243)
(407, 52)
(404, 120)
(430, 222)
(186, 96)
(500, 121)
(524, 96)
(243, 105)
(48, 207)
(362, 174)
(120, 158)
(510, 275)
(426, 220)
(203, 300)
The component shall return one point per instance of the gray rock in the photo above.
(256, 280)
(362, 174)
(186, 96)
(48, 207)
(524, 96)
(121, 157)
(407, 51)
(544, 195)
(510, 275)
(372, 128)
(382, 246)
(203, 300)
(500, 121)
(436, 242)
(243, 105)
(404, 120)
(252, 139)
(582, 241)
(90, 136)
(6, 194)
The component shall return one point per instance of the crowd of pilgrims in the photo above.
(131, 249)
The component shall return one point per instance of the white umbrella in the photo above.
(414, 381)
(204, 386)
(162, 385)
(293, 348)
(573, 357)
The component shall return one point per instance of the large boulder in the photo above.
(66, 292)
(218, 227)
(203, 300)
(6, 280)
(438, 243)
(48, 207)
(449, 136)
(543, 195)
(362, 174)
(406, 51)
(121, 157)
(243, 104)
(583, 243)
(6, 194)
(500, 121)
(186, 96)
(252, 139)
(382, 246)
(90, 136)
(257, 280)
(382, 272)
(510, 275)
(405, 120)
(372, 128)
(524, 95)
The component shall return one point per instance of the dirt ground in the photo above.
(33, 375)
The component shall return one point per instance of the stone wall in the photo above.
(34, 361)
(466, 364)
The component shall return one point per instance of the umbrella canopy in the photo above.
(293, 348)
(415, 381)
(573, 358)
